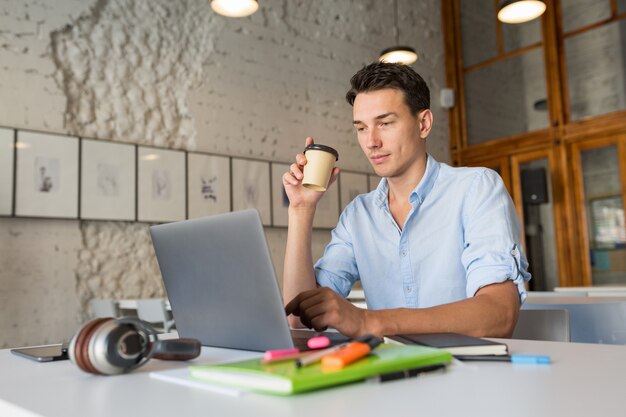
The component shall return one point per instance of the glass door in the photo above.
(532, 176)
(600, 175)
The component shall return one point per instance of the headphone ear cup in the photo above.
(78, 349)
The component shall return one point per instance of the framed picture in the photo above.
(160, 185)
(351, 185)
(107, 186)
(327, 213)
(373, 181)
(46, 176)
(280, 202)
(6, 171)
(607, 221)
(208, 184)
(251, 187)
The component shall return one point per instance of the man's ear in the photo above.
(426, 122)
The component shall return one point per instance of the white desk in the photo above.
(596, 291)
(584, 380)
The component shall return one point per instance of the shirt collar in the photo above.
(420, 192)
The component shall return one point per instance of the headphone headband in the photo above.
(110, 346)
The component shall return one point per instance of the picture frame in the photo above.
(373, 181)
(607, 222)
(7, 164)
(280, 201)
(46, 175)
(351, 185)
(251, 187)
(208, 185)
(107, 187)
(161, 185)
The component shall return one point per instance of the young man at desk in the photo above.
(436, 248)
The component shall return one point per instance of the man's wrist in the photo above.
(301, 212)
(373, 323)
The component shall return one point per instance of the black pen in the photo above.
(407, 373)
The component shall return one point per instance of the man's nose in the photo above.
(373, 139)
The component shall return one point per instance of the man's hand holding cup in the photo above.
(312, 173)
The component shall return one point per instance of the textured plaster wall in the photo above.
(174, 74)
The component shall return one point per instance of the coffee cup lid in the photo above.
(318, 147)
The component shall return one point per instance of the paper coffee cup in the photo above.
(320, 161)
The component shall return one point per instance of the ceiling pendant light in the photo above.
(520, 11)
(235, 8)
(398, 54)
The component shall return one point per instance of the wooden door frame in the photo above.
(558, 204)
(581, 216)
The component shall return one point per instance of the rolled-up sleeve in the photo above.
(337, 268)
(492, 236)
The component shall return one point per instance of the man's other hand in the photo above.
(322, 307)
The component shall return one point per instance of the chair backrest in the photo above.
(543, 324)
(152, 310)
(103, 307)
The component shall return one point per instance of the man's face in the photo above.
(391, 136)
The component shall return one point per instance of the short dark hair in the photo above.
(380, 75)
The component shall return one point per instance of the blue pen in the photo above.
(517, 359)
(530, 359)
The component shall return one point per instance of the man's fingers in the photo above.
(289, 179)
(296, 171)
(319, 323)
(313, 311)
(312, 315)
(301, 160)
(292, 306)
(311, 301)
(308, 141)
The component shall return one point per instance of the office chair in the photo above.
(153, 311)
(103, 307)
(543, 324)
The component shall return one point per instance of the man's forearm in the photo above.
(492, 312)
(298, 275)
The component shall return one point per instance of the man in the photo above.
(436, 248)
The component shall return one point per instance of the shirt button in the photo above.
(403, 253)
(409, 289)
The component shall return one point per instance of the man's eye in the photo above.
(360, 129)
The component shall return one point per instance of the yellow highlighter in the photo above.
(348, 354)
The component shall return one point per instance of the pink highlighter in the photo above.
(274, 354)
(318, 342)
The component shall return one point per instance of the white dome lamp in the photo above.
(520, 11)
(401, 54)
(235, 8)
(398, 54)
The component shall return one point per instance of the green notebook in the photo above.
(284, 378)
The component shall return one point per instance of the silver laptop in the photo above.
(221, 283)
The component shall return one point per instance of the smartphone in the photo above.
(46, 353)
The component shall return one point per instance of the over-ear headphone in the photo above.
(109, 346)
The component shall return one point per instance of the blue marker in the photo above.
(530, 359)
(516, 359)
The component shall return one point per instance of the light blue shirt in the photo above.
(461, 234)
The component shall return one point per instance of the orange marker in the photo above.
(347, 355)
